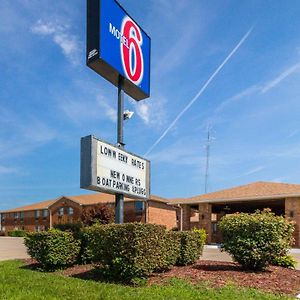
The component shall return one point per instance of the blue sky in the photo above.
(49, 98)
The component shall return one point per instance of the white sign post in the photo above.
(107, 168)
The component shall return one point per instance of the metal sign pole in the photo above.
(119, 209)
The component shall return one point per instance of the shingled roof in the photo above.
(85, 199)
(253, 191)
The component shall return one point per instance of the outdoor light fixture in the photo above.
(127, 114)
(226, 208)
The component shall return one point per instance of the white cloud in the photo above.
(293, 133)
(151, 111)
(69, 43)
(7, 170)
(245, 93)
(143, 110)
(26, 134)
(109, 111)
(43, 28)
(274, 82)
(253, 171)
(80, 111)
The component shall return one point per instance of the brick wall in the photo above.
(292, 213)
(63, 206)
(158, 213)
(205, 219)
(161, 213)
(29, 222)
(186, 217)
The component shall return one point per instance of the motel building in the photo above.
(65, 209)
(203, 211)
(206, 210)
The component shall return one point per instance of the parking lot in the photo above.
(13, 248)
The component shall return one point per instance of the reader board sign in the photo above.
(118, 46)
(109, 169)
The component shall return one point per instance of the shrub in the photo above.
(191, 246)
(75, 228)
(85, 254)
(17, 233)
(78, 232)
(202, 235)
(172, 248)
(255, 240)
(101, 214)
(130, 251)
(53, 249)
(286, 261)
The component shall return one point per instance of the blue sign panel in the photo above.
(117, 46)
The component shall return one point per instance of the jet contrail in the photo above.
(201, 90)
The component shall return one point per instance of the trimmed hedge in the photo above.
(17, 233)
(53, 249)
(256, 240)
(132, 250)
(75, 228)
(191, 246)
(78, 232)
(129, 251)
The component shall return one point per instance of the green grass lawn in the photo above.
(19, 283)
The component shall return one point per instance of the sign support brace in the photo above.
(119, 206)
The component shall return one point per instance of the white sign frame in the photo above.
(109, 169)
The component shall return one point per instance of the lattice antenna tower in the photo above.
(208, 143)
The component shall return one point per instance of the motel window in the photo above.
(45, 213)
(16, 215)
(139, 206)
(70, 211)
(3, 217)
(214, 217)
(36, 214)
(61, 211)
(22, 215)
(37, 228)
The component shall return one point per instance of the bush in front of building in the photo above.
(129, 251)
(286, 261)
(98, 214)
(78, 232)
(191, 246)
(75, 228)
(255, 240)
(202, 236)
(53, 249)
(17, 233)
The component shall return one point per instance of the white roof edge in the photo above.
(282, 196)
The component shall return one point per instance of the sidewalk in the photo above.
(12, 248)
(212, 252)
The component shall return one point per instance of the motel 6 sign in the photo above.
(117, 46)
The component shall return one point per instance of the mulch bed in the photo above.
(218, 274)
(274, 280)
